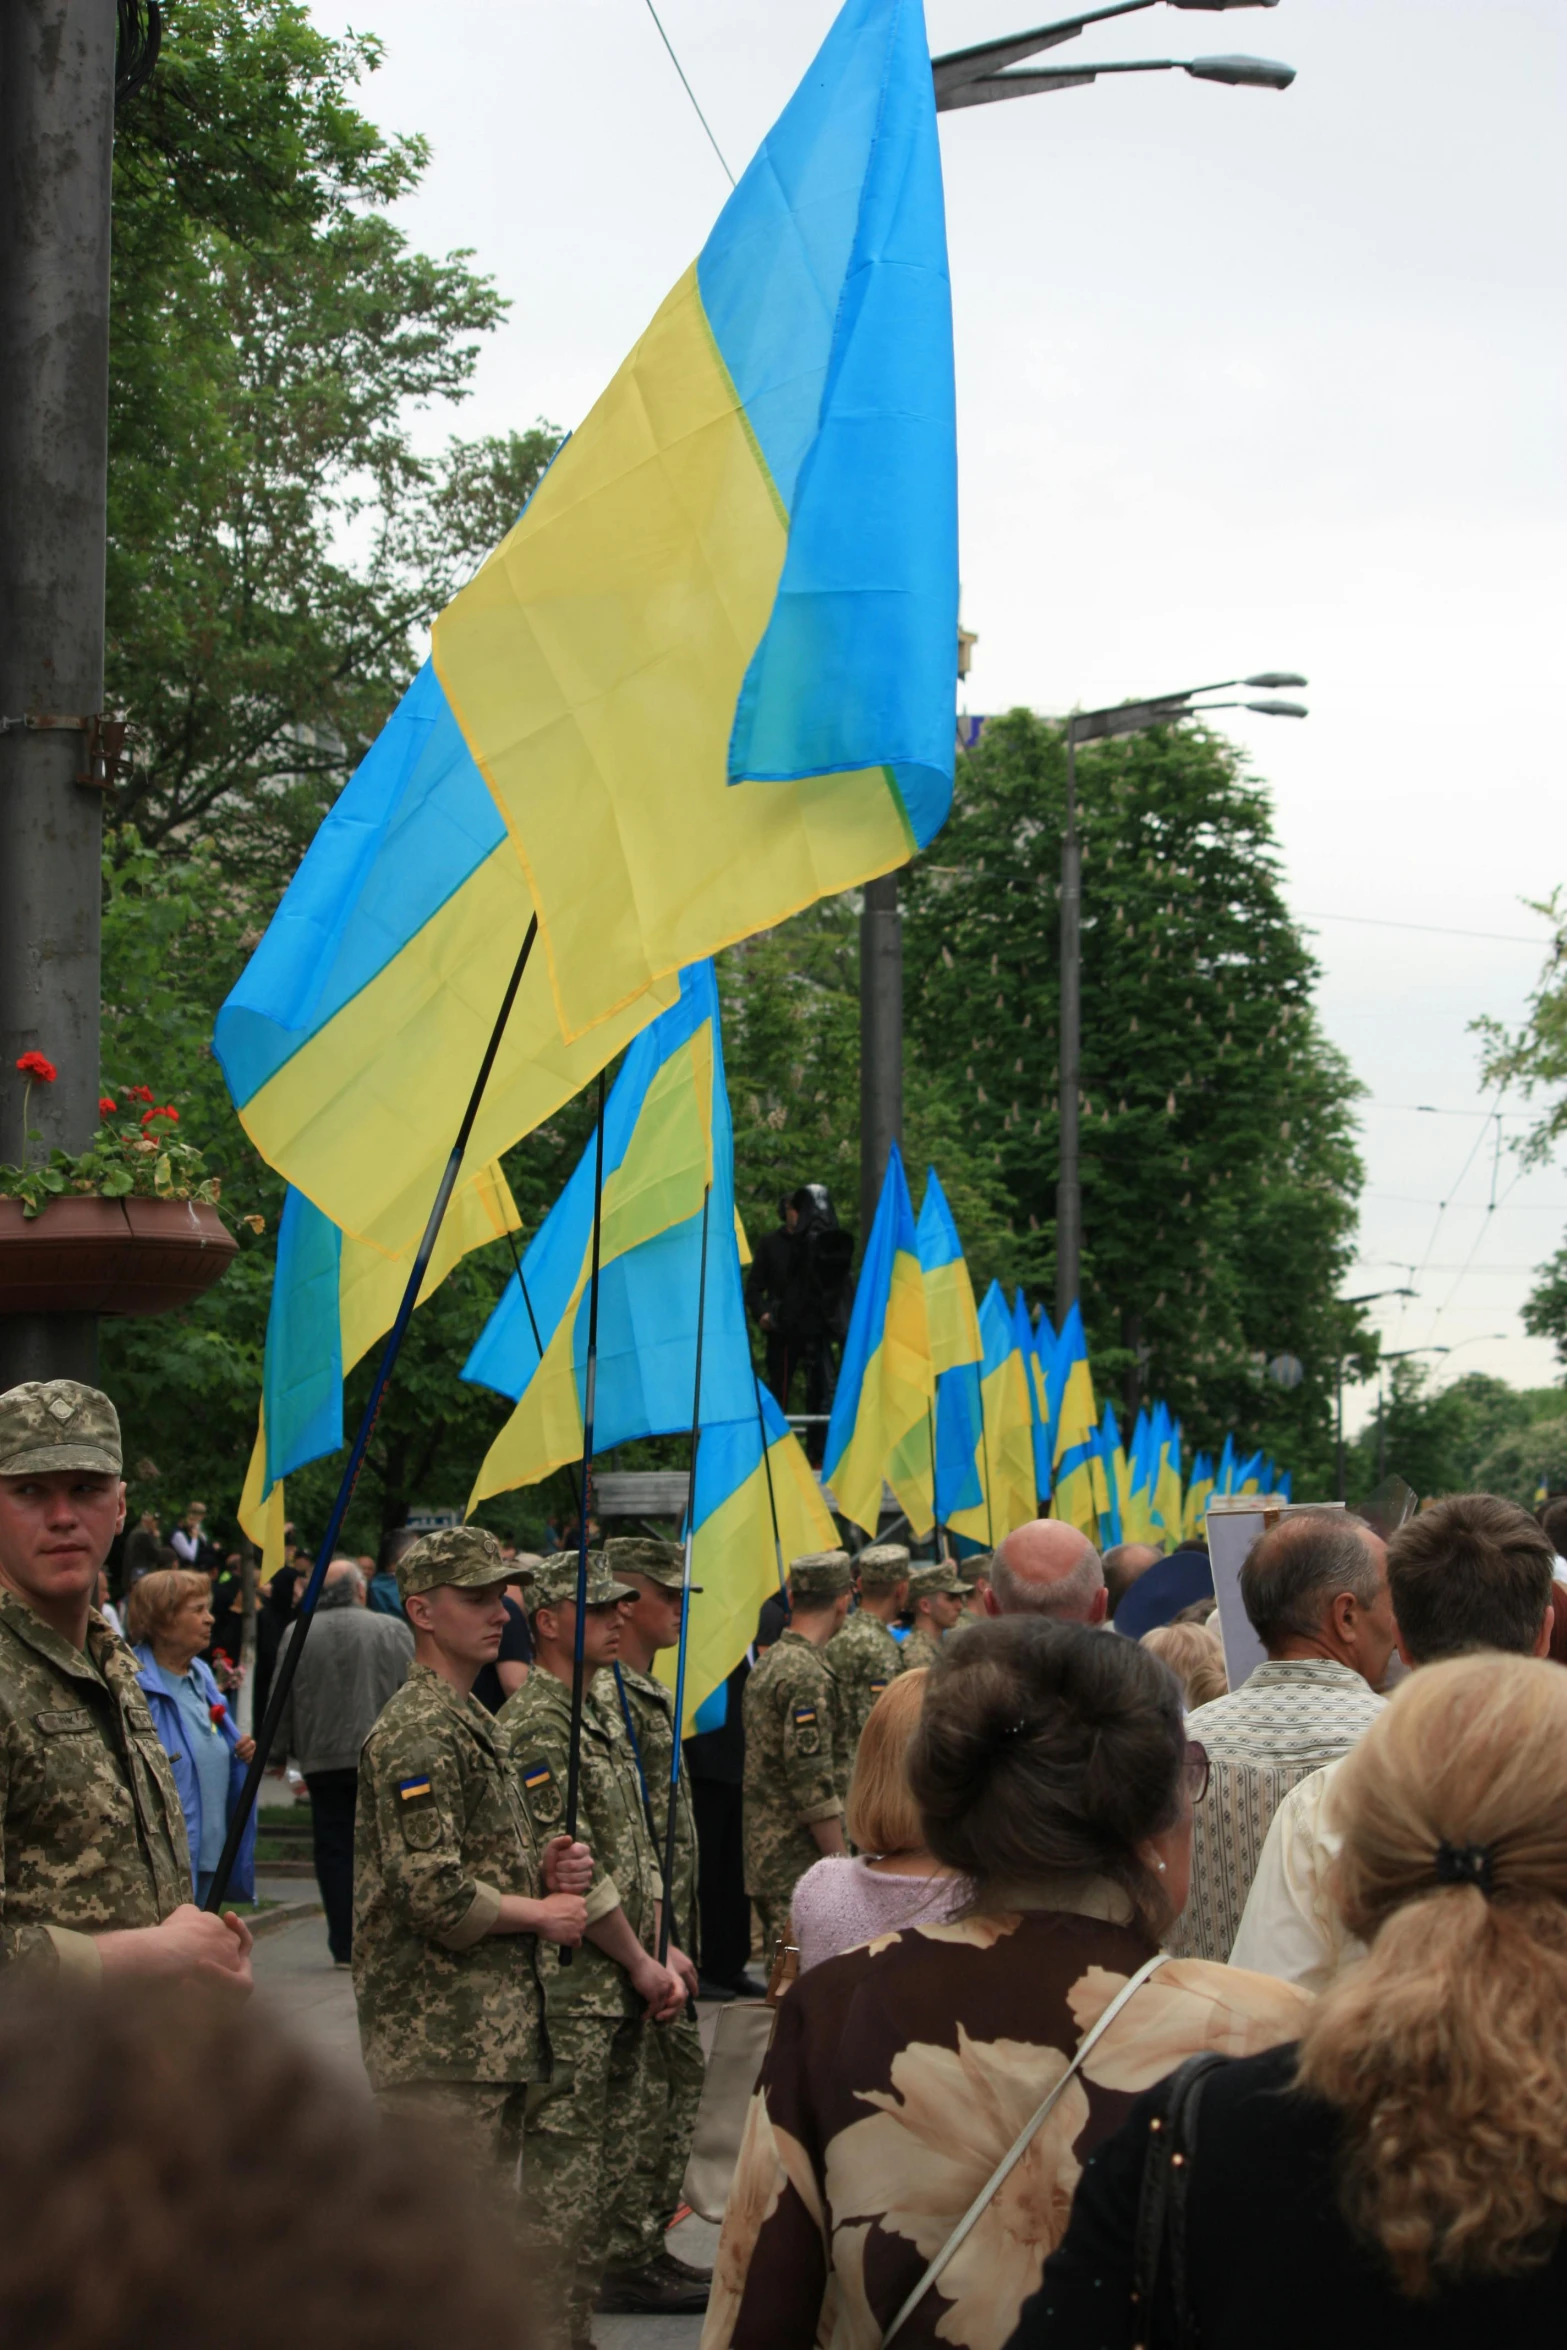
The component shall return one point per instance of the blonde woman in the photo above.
(893, 1881)
(1195, 1656)
(168, 1622)
(1400, 2177)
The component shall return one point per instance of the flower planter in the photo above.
(110, 1256)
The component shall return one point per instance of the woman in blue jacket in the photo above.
(168, 1623)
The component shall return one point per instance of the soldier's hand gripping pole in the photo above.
(685, 1601)
(288, 1663)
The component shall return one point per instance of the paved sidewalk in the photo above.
(297, 1982)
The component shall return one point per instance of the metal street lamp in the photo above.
(1087, 726)
(980, 75)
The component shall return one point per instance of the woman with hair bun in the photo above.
(1399, 2177)
(1052, 1772)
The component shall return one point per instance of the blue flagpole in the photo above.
(665, 1918)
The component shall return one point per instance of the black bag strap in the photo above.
(1161, 2207)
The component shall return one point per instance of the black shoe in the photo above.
(674, 2266)
(706, 1988)
(654, 2291)
(749, 1986)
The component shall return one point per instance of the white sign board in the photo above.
(1234, 1524)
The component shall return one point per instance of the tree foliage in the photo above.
(1534, 1059)
(1219, 1165)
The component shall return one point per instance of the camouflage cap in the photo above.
(882, 1565)
(554, 1581)
(925, 1582)
(663, 1563)
(820, 1574)
(50, 1424)
(466, 1555)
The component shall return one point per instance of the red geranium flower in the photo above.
(106, 1108)
(218, 1711)
(167, 1111)
(35, 1066)
(138, 1093)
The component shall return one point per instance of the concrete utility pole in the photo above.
(56, 147)
(881, 1040)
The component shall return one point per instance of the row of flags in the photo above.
(980, 1419)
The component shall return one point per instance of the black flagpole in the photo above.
(685, 1603)
(574, 1757)
(288, 1663)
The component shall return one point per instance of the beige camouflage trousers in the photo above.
(671, 2091)
(579, 2149)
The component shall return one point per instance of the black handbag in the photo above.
(1159, 2246)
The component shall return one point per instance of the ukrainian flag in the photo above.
(1195, 1515)
(881, 1413)
(1077, 1487)
(1004, 1459)
(706, 679)
(1225, 1477)
(956, 1351)
(1167, 1477)
(332, 1298)
(1118, 1479)
(667, 1138)
(732, 1554)
(1248, 1477)
(1038, 1407)
(1042, 1356)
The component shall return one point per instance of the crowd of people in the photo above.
(1038, 1893)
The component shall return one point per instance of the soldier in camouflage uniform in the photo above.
(864, 1656)
(793, 1789)
(96, 1869)
(580, 2150)
(673, 2077)
(936, 1595)
(448, 1872)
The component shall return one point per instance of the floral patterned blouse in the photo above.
(898, 2077)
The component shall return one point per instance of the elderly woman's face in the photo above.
(191, 1627)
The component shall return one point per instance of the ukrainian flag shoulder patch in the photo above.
(535, 1776)
(804, 1716)
(409, 1788)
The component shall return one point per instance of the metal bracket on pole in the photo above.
(106, 740)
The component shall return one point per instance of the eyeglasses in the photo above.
(1194, 1770)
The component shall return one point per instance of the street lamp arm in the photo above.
(959, 66)
(985, 88)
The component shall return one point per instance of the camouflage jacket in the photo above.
(862, 1658)
(94, 1837)
(652, 1710)
(537, 1722)
(438, 1838)
(791, 1762)
(921, 1648)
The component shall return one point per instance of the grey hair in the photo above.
(348, 1571)
(1294, 1570)
(1069, 1595)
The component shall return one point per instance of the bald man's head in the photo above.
(1047, 1568)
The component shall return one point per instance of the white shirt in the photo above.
(1291, 1926)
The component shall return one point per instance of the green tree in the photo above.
(1219, 1165)
(277, 540)
(1477, 1435)
(1534, 1059)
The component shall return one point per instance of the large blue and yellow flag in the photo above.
(332, 1298)
(706, 679)
(732, 1553)
(667, 1137)
(1194, 1515)
(1167, 1512)
(1080, 1485)
(881, 1415)
(956, 1352)
(1004, 1454)
(1118, 1479)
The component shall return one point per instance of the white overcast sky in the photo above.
(1245, 381)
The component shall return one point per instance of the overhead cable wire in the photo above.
(690, 93)
(1507, 938)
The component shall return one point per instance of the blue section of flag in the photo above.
(302, 1380)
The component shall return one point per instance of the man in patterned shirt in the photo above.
(863, 1657)
(1315, 1589)
(793, 1791)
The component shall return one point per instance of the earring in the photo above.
(1161, 1868)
